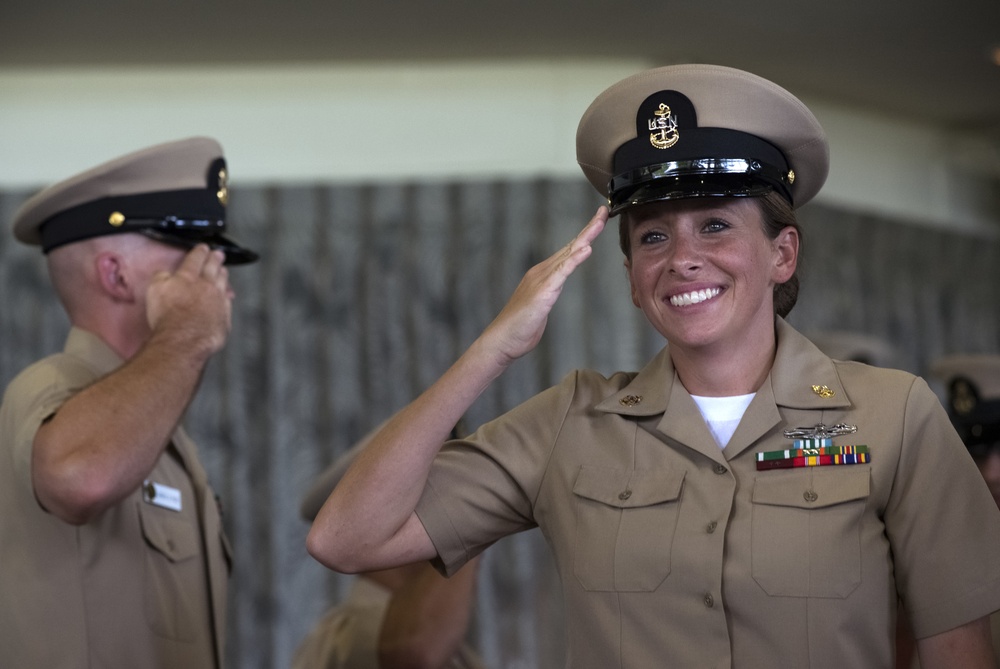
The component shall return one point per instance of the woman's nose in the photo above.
(685, 254)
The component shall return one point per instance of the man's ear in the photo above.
(113, 277)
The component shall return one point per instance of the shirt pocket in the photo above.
(173, 573)
(806, 531)
(625, 522)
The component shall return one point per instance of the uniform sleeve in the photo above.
(942, 523)
(33, 397)
(345, 638)
(484, 488)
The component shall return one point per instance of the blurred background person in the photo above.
(972, 397)
(408, 617)
(972, 386)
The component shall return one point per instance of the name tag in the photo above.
(161, 495)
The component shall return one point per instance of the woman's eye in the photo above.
(715, 225)
(651, 237)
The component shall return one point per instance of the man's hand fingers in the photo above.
(194, 262)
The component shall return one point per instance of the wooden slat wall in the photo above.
(366, 293)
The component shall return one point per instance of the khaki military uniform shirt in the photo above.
(676, 553)
(141, 585)
(347, 636)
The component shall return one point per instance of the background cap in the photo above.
(973, 387)
(684, 131)
(174, 192)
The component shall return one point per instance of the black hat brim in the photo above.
(690, 186)
(235, 254)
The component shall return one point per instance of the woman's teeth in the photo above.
(693, 297)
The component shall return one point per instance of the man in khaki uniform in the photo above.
(110, 538)
(743, 500)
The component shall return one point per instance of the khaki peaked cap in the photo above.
(175, 192)
(697, 131)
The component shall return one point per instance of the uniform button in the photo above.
(810, 496)
(709, 601)
(625, 495)
(721, 469)
(711, 527)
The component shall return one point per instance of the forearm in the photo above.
(104, 440)
(366, 522)
(427, 619)
(968, 646)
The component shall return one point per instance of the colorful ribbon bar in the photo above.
(799, 451)
(815, 461)
(812, 443)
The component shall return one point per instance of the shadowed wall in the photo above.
(366, 293)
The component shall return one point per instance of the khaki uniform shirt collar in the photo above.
(648, 393)
(798, 366)
(88, 346)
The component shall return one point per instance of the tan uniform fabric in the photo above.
(141, 585)
(674, 553)
(347, 636)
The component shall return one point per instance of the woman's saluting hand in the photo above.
(518, 327)
(369, 520)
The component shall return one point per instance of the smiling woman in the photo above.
(777, 214)
(706, 273)
(700, 511)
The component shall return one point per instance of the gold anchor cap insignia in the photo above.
(630, 400)
(663, 128)
(824, 391)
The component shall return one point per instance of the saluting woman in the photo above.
(743, 500)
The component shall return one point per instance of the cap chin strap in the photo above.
(235, 254)
(204, 225)
(681, 193)
(701, 177)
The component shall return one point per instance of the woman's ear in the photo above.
(112, 277)
(786, 256)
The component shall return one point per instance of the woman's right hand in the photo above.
(518, 327)
(369, 521)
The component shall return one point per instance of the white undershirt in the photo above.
(722, 414)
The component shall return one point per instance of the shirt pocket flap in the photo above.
(819, 489)
(174, 538)
(623, 489)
